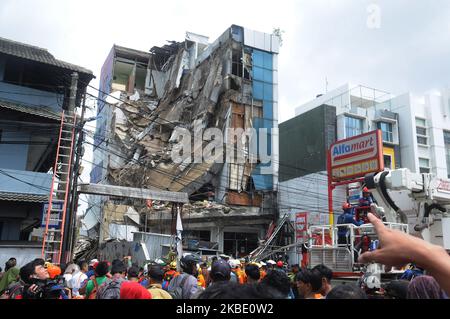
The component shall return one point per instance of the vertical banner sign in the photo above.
(301, 225)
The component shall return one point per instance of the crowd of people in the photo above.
(226, 278)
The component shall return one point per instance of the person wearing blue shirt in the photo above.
(412, 272)
(347, 217)
(366, 199)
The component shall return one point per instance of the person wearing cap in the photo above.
(170, 274)
(187, 280)
(235, 268)
(347, 217)
(280, 265)
(91, 270)
(156, 275)
(366, 198)
(364, 203)
(270, 264)
(252, 272)
(53, 270)
(220, 272)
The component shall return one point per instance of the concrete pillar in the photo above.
(217, 236)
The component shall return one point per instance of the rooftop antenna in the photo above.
(326, 85)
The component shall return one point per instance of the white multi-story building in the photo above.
(425, 131)
(359, 110)
(415, 131)
(419, 125)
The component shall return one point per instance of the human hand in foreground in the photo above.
(396, 248)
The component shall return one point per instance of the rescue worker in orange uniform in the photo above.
(202, 278)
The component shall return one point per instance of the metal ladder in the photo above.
(257, 254)
(54, 225)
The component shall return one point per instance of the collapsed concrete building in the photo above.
(147, 98)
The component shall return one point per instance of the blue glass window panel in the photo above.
(268, 112)
(257, 124)
(268, 92)
(258, 59)
(268, 61)
(263, 182)
(258, 90)
(258, 74)
(264, 153)
(268, 76)
(353, 126)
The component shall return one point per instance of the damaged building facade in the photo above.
(34, 91)
(147, 98)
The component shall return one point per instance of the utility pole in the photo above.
(71, 227)
(70, 112)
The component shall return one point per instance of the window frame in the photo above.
(447, 150)
(347, 128)
(428, 168)
(420, 126)
(389, 133)
(390, 159)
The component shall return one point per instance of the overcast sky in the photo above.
(392, 45)
(323, 39)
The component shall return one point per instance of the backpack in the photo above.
(110, 289)
(15, 289)
(177, 292)
(93, 294)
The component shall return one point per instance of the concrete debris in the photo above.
(135, 96)
(114, 98)
(133, 215)
(188, 86)
(152, 105)
(85, 249)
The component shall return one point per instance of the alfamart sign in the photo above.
(356, 156)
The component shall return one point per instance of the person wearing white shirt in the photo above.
(78, 277)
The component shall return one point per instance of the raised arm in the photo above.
(397, 249)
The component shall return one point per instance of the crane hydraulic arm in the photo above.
(430, 195)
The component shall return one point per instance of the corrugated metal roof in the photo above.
(39, 111)
(34, 53)
(17, 183)
(23, 197)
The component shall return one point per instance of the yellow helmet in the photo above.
(173, 265)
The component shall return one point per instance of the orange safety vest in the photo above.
(201, 282)
(239, 275)
(170, 274)
(262, 274)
